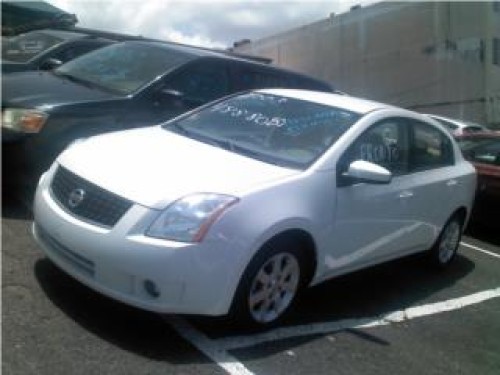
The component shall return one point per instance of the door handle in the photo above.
(451, 183)
(406, 194)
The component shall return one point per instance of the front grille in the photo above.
(86, 200)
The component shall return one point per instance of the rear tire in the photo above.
(445, 249)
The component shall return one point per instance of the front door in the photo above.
(375, 221)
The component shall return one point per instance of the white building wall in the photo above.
(433, 57)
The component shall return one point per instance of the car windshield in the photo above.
(271, 128)
(25, 47)
(122, 68)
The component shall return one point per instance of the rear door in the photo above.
(437, 182)
(376, 222)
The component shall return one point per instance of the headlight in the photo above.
(23, 120)
(189, 218)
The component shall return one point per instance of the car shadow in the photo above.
(484, 224)
(15, 205)
(368, 293)
(137, 331)
(488, 232)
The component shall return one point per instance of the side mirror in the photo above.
(364, 171)
(171, 93)
(170, 98)
(50, 64)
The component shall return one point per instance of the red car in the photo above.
(483, 150)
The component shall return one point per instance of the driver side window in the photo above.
(384, 143)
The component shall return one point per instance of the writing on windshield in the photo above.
(292, 131)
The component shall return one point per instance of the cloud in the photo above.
(205, 23)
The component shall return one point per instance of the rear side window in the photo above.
(201, 81)
(248, 78)
(430, 148)
(485, 151)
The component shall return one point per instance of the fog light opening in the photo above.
(151, 288)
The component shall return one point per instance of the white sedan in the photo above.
(239, 205)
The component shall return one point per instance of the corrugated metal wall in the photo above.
(432, 57)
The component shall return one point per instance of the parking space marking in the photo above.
(208, 347)
(479, 249)
(238, 342)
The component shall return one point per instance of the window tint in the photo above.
(486, 151)
(201, 82)
(247, 78)
(385, 144)
(429, 147)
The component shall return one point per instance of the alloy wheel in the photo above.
(274, 287)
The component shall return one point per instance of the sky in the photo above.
(215, 23)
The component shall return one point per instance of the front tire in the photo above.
(271, 283)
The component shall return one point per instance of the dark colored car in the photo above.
(46, 49)
(483, 151)
(121, 86)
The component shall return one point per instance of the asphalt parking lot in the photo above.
(396, 318)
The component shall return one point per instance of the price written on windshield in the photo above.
(250, 116)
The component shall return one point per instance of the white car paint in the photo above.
(352, 226)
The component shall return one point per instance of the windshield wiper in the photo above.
(233, 147)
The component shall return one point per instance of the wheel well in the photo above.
(306, 244)
(461, 213)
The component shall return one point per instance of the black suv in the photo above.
(121, 86)
(46, 49)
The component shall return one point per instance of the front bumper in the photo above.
(120, 262)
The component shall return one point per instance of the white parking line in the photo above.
(217, 350)
(237, 342)
(479, 249)
(208, 347)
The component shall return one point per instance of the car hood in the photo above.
(44, 89)
(11, 67)
(153, 166)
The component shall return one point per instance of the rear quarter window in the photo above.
(249, 77)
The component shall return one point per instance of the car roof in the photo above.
(188, 50)
(63, 34)
(361, 106)
(196, 52)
